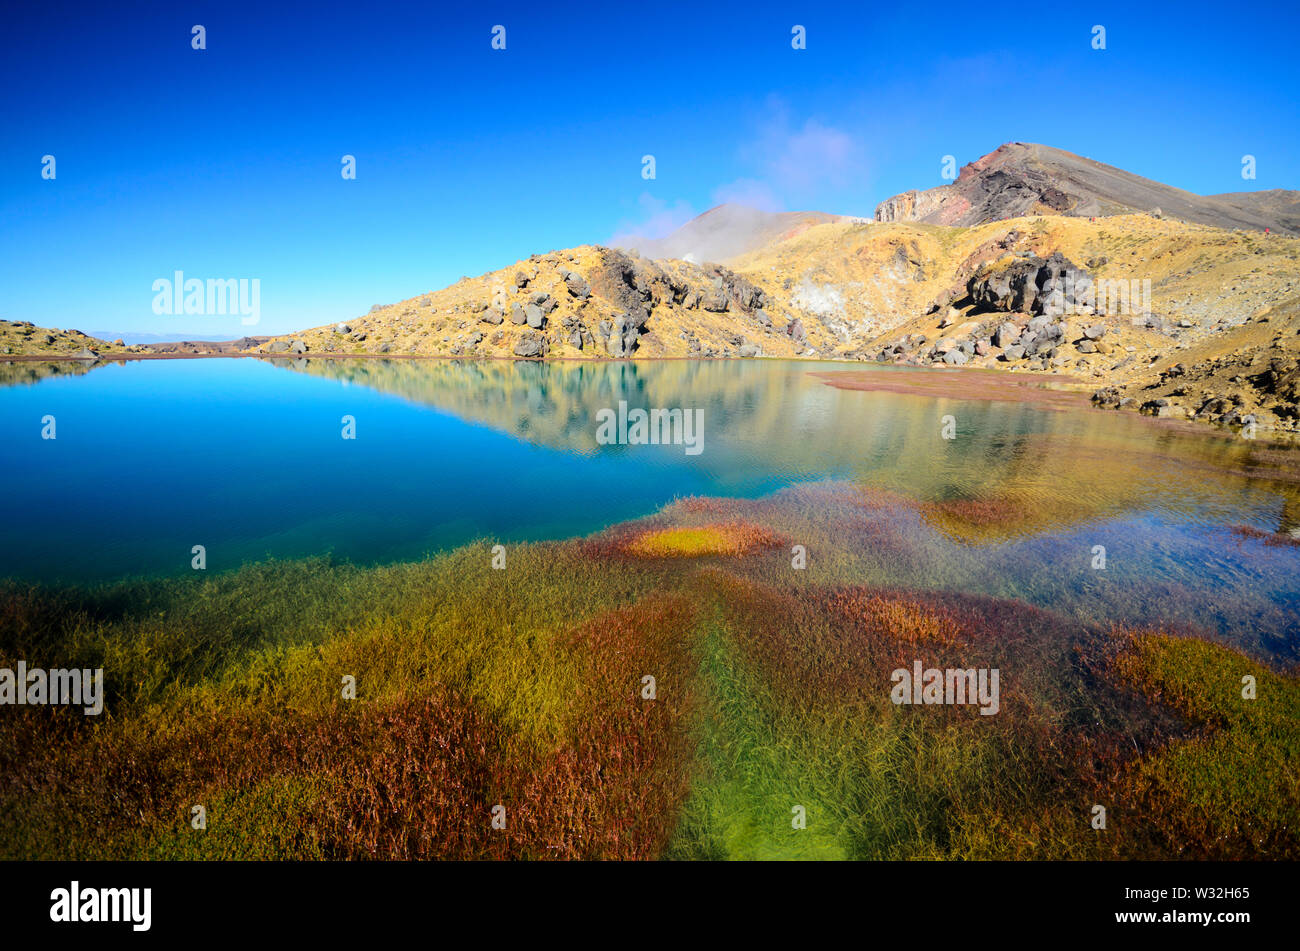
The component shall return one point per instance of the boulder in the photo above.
(534, 316)
(517, 315)
(544, 302)
(1169, 411)
(715, 302)
(1106, 396)
(577, 285)
(955, 358)
(1006, 335)
(493, 316)
(534, 345)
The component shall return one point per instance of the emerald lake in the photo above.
(248, 458)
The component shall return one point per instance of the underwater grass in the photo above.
(1230, 788)
(693, 542)
(526, 688)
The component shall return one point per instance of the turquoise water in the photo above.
(246, 457)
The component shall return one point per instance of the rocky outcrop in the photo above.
(729, 291)
(619, 335)
(914, 205)
(631, 284)
(1026, 283)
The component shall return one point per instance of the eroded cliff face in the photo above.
(917, 205)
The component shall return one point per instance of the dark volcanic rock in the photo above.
(623, 333)
(534, 345)
(627, 283)
(577, 285)
(1031, 285)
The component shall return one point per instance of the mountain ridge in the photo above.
(1022, 178)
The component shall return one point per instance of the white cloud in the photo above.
(789, 164)
(812, 156)
(748, 191)
(793, 162)
(657, 219)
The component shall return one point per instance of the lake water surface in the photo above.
(247, 458)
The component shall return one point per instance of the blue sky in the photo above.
(225, 163)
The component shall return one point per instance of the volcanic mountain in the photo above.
(1020, 179)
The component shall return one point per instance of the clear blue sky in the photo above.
(225, 163)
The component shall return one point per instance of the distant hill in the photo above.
(1276, 204)
(727, 231)
(24, 338)
(131, 339)
(1021, 178)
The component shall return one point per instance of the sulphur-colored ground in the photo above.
(854, 284)
(23, 338)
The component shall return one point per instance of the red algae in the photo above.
(990, 385)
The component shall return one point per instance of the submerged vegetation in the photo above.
(670, 688)
(734, 539)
